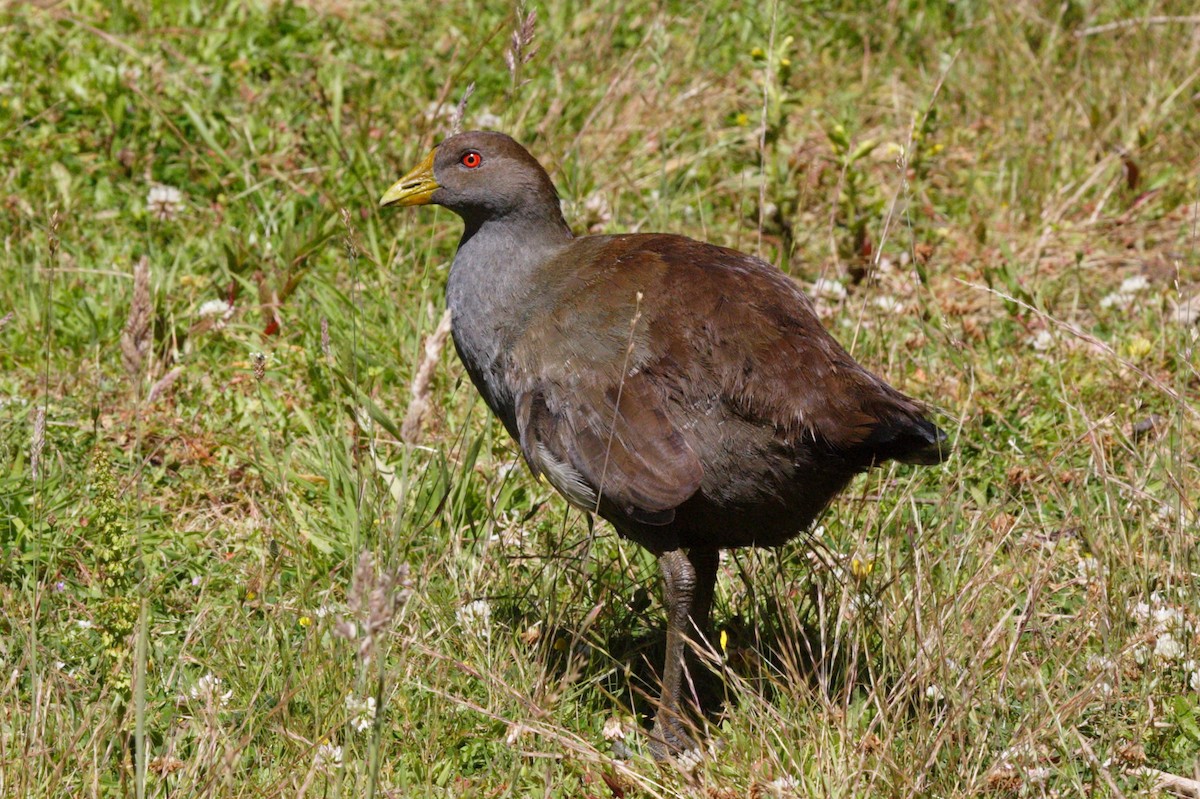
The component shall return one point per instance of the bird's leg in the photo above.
(679, 582)
(689, 580)
(704, 562)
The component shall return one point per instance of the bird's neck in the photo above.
(492, 285)
(536, 224)
(498, 258)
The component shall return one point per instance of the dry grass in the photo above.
(973, 185)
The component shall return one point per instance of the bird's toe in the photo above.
(671, 738)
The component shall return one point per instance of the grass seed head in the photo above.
(135, 338)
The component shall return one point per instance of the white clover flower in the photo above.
(164, 202)
(954, 667)
(1167, 647)
(826, 289)
(328, 757)
(1017, 753)
(596, 212)
(1037, 774)
(596, 203)
(1132, 285)
(1043, 341)
(1140, 612)
(613, 729)
(1171, 619)
(1087, 570)
(1126, 295)
(208, 690)
(488, 121)
(515, 730)
(887, 303)
(219, 308)
(1165, 512)
(361, 711)
(436, 112)
(784, 786)
(1116, 300)
(1162, 618)
(476, 618)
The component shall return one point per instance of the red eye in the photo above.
(471, 160)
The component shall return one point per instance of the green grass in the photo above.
(981, 180)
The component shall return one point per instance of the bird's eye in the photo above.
(471, 160)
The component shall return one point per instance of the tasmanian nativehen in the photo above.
(685, 392)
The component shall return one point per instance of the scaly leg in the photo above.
(704, 562)
(689, 581)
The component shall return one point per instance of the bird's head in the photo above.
(479, 175)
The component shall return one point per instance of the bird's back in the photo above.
(701, 370)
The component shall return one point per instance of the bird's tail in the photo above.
(908, 439)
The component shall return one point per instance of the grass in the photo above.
(188, 608)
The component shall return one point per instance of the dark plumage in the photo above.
(685, 392)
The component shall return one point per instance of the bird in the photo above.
(685, 392)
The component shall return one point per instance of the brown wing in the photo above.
(680, 335)
(722, 325)
(609, 441)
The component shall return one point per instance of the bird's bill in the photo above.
(415, 188)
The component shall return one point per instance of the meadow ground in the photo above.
(236, 559)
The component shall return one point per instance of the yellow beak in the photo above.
(415, 188)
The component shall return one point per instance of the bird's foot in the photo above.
(671, 737)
